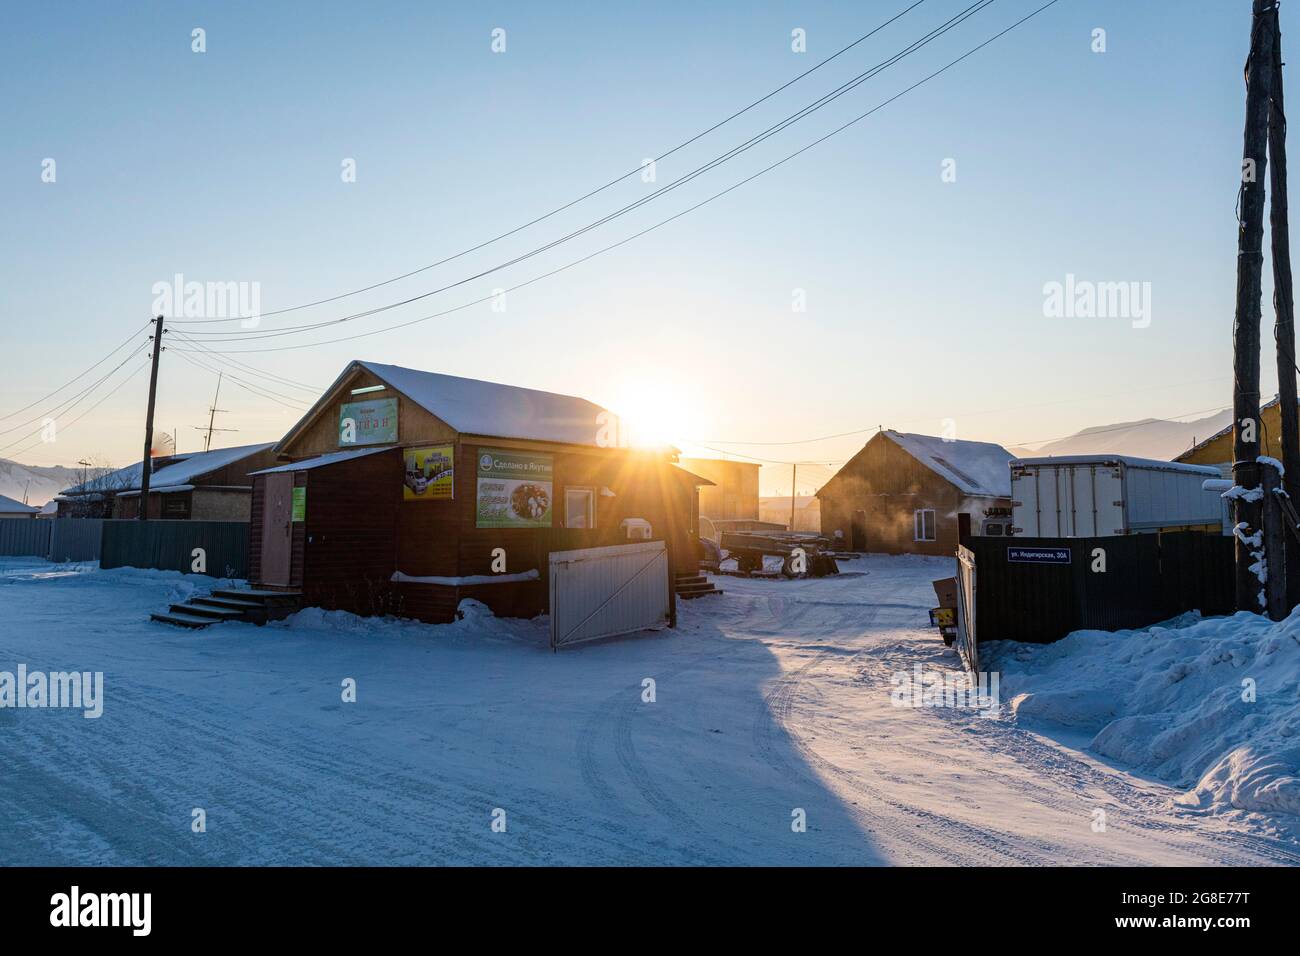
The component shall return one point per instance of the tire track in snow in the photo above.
(773, 719)
(1139, 809)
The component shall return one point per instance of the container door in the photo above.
(277, 527)
(1110, 501)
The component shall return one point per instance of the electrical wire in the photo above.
(672, 218)
(588, 195)
(77, 377)
(66, 406)
(63, 406)
(134, 372)
(753, 141)
(277, 398)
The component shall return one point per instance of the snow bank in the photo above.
(475, 621)
(1211, 705)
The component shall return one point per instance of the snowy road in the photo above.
(770, 699)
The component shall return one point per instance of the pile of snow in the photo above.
(475, 621)
(1211, 705)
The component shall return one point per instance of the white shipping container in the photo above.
(1086, 496)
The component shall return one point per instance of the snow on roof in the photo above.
(9, 506)
(476, 407)
(1129, 460)
(180, 470)
(975, 467)
(333, 458)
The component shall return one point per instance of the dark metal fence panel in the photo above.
(75, 539)
(25, 537)
(1038, 590)
(170, 545)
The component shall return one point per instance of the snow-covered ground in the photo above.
(772, 699)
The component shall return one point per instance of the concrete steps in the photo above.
(251, 605)
(690, 586)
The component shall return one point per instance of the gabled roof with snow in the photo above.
(975, 467)
(9, 506)
(475, 407)
(179, 470)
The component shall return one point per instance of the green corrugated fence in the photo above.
(171, 546)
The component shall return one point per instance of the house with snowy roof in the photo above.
(905, 493)
(404, 491)
(9, 508)
(197, 486)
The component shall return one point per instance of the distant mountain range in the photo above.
(39, 483)
(1148, 438)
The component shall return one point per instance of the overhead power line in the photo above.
(588, 195)
(277, 398)
(62, 407)
(674, 217)
(753, 141)
(75, 378)
(63, 428)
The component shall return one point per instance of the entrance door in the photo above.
(277, 527)
(859, 530)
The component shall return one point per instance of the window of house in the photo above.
(580, 507)
(923, 524)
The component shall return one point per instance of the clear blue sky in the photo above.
(924, 298)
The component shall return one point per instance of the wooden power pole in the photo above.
(146, 466)
(1246, 426)
(794, 472)
(1284, 327)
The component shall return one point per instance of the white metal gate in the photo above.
(966, 636)
(600, 592)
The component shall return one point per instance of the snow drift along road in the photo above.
(1212, 705)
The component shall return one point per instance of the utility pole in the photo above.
(146, 466)
(794, 471)
(1245, 358)
(1284, 326)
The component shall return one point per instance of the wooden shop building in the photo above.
(403, 492)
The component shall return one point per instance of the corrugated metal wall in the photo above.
(75, 539)
(1147, 578)
(25, 536)
(601, 592)
(169, 546)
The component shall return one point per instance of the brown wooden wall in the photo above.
(255, 530)
(350, 533)
(890, 485)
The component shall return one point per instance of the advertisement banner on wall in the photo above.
(368, 423)
(429, 474)
(514, 489)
